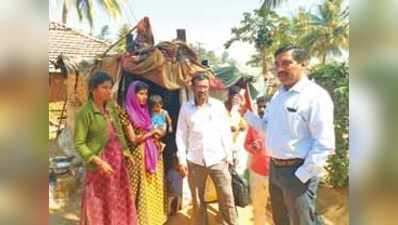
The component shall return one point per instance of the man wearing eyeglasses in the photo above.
(298, 123)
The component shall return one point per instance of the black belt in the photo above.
(287, 162)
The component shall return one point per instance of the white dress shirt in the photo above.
(203, 134)
(298, 123)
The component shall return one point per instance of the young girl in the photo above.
(160, 117)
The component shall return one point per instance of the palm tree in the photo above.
(85, 8)
(326, 33)
(269, 4)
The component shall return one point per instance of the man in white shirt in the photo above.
(298, 123)
(204, 143)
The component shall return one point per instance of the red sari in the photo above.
(107, 200)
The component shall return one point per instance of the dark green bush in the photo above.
(334, 78)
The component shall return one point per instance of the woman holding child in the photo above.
(146, 172)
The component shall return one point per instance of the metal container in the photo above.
(60, 165)
(62, 181)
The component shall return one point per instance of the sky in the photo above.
(208, 22)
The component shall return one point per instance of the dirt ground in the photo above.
(332, 204)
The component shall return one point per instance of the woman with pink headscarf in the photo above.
(146, 172)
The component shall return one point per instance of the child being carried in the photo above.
(160, 117)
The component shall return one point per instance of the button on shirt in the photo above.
(203, 134)
(298, 123)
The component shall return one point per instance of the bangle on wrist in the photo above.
(91, 159)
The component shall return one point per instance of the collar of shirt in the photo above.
(210, 102)
(96, 110)
(299, 86)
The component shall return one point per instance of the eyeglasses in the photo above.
(284, 64)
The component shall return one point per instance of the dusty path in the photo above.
(332, 205)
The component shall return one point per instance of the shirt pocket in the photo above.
(293, 121)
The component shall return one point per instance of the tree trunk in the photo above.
(324, 58)
(264, 62)
(266, 76)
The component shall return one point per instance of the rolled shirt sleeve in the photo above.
(322, 132)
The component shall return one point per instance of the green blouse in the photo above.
(91, 130)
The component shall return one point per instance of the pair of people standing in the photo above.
(124, 174)
(299, 130)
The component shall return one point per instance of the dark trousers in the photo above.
(293, 202)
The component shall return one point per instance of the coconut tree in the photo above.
(269, 4)
(327, 32)
(85, 8)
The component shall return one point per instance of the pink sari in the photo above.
(106, 200)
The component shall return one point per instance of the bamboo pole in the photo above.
(61, 118)
(115, 43)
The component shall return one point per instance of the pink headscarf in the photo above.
(140, 117)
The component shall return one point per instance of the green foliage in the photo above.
(322, 34)
(255, 28)
(269, 4)
(266, 30)
(334, 78)
(86, 9)
(121, 46)
(326, 33)
(211, 56)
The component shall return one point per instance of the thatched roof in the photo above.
(63, 40)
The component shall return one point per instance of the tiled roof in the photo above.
(65, 40)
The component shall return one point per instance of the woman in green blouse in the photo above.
(100, 141)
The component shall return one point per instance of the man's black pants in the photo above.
(293, 202)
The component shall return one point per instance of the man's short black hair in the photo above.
(199, 76)
(262, 99)
(299, 54)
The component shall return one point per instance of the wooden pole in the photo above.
(182, 36)
(61, 118)
(120, 39)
